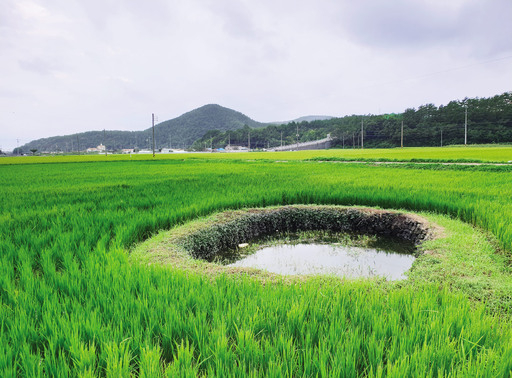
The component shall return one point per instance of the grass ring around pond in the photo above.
(203, 244)
(449, 252)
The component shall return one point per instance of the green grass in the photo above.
(72, 303)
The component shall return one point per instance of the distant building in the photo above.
(127, 150)
(234, 148)
(100, 148)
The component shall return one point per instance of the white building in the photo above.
(100, 148)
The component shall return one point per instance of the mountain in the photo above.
(309, 118)
(178, 132)
(312, 118)
(193, 125)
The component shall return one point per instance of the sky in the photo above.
(69, 66)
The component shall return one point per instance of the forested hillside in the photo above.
(489, 120)
(179, 132)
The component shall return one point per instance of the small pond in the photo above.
(390, 260)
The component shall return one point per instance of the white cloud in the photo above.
(82, 65)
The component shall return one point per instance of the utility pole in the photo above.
(104, 142)
(229, 140)
(297, 137)
(153, 126)
(343, 138)
(78, 144)
(362, 126)
(353, 141)
(466, 125)
(170, 142)
(249, 140)
(211, 144)
(441, 137)
(402, 136)
(281, 139)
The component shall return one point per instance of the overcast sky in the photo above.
(69, 66)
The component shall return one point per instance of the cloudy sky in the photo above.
(69, 66)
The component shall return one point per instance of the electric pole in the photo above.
(466, 125)
(78, 144)
(249, 140)
(297, 137)
(353, 141)
(362, 140)
(402, 136)
(153, 126)
(104, 142)
(281, 139)
(343, 138)
(441, 137)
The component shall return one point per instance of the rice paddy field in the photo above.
(79, 295)
(471, 153)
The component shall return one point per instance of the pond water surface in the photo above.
(338, 260)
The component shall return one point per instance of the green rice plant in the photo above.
(117, 359)
(461, 154)
(74, 300)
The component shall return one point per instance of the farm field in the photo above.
(483, 154)
(75, 301)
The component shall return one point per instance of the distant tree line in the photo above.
(489, 120)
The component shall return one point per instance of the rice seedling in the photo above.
(74, 303)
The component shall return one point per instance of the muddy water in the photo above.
(339, 260)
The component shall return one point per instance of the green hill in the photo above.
(178, 132)
(191, 126)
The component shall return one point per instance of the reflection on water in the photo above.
(336, 260)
